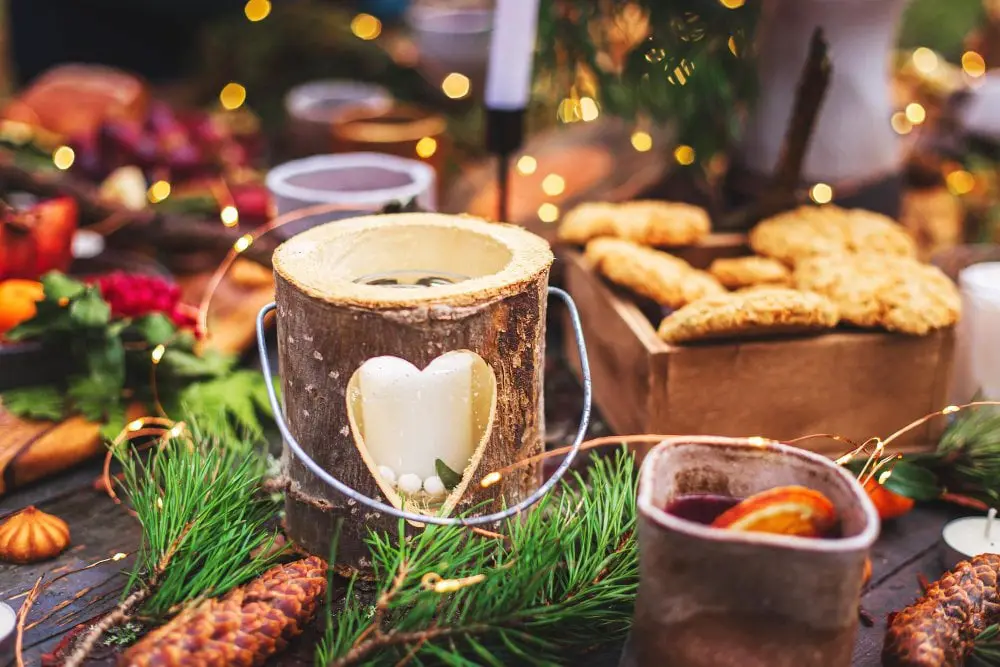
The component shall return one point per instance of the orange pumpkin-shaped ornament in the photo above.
(32, 535)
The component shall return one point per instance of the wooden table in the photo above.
(907, 547)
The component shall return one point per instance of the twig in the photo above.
(812, 87)
(393, 638)
(22, 614)
(123, 611)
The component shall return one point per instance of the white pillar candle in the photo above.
(8, 627)
(413, 417)
(978, 354)
(512, 54)
(971, 536)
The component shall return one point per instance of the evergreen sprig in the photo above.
(204, 522)
(693, 69)
(562, 583)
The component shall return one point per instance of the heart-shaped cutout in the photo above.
(422, 432)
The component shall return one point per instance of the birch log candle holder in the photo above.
(411, 350)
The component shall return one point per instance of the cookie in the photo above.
(812, 231)
(740, 272)
(653, 223)
(894, 293)
(757, 312)
(666, 279)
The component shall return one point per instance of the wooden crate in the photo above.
(857, 384)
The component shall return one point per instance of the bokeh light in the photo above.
(684, 155)
(527, 165)
(257, 10)
(158, 191)
(230, 216)
(233, 96)
(973, 64)
(925, 60)
(915, 113)
(548, 212)
(960, 182)
(426, 147)
(366, 26)
(553, 185)
(63, 157)
(641, 141)
(456, 86)
(821, 193)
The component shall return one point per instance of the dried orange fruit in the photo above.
(17, 302)
(785, 510)
(889, 505)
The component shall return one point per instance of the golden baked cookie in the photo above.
(895, 293)
(668, 280)
(654, 223)
(760, 311)
(811, 231)
(739, 272)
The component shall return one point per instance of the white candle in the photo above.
(978, 355)
(8, 626)
(512, 54)
(971, 536)
(413, 417)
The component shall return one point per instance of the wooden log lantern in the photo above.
(411, 351)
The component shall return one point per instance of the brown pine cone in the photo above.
(243, 628)
(938, 629)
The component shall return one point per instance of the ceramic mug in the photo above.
(709, 597)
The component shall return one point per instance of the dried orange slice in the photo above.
(785, 510)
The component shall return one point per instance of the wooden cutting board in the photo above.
(31, 450)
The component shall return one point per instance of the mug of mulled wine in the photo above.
(721, 597)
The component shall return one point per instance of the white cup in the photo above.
(320, 101)
(361, 179)
(977, 358)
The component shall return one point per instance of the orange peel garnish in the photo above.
(783, 510)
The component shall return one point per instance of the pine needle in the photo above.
(986, 648)
(968, 456)
(201, 515)
(562, 584)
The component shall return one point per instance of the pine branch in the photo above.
(563, 582)
(200, 512)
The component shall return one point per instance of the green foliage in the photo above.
(685, 72)
(563, 583)
(968, 455)
(113, 364)
(913, 481)
(202, 520)
(942, 26)
(448, 477)
(986, 648)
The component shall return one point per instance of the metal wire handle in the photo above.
(317, 470)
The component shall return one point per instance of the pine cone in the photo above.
(938, 630)
(243, 628)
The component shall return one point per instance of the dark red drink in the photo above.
(700, 507)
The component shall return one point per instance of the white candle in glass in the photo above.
(971, 536)
(978, 356)
(413, 417)
(512, 54)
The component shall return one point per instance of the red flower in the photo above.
(135, 295)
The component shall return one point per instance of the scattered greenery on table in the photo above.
(113, 363)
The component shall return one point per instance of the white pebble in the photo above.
(434, 486)
(409, 483)
(388, 474)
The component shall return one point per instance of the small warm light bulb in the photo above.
(119, 556)
(960, 182)
(732, 46)
(233, 96)
(732, 4)
(176, 431)
(426, 147)
(257, 10)
(548, 212)
(950, 410)
(230, 216)
(63, 157)
(757, 441)
(588, 109)
(915, 113)
(366, 26)
(527, 165)
(900, 123)
(490, 479)
(569, 110)
(821, 193)
(158, 353)
(158, 191)
(884, 477)
(242, 243)
(135, 425)
(925, 60)
(641, 141)
(553, 185)
(973, 64)
(456, 86)
(684, 155)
